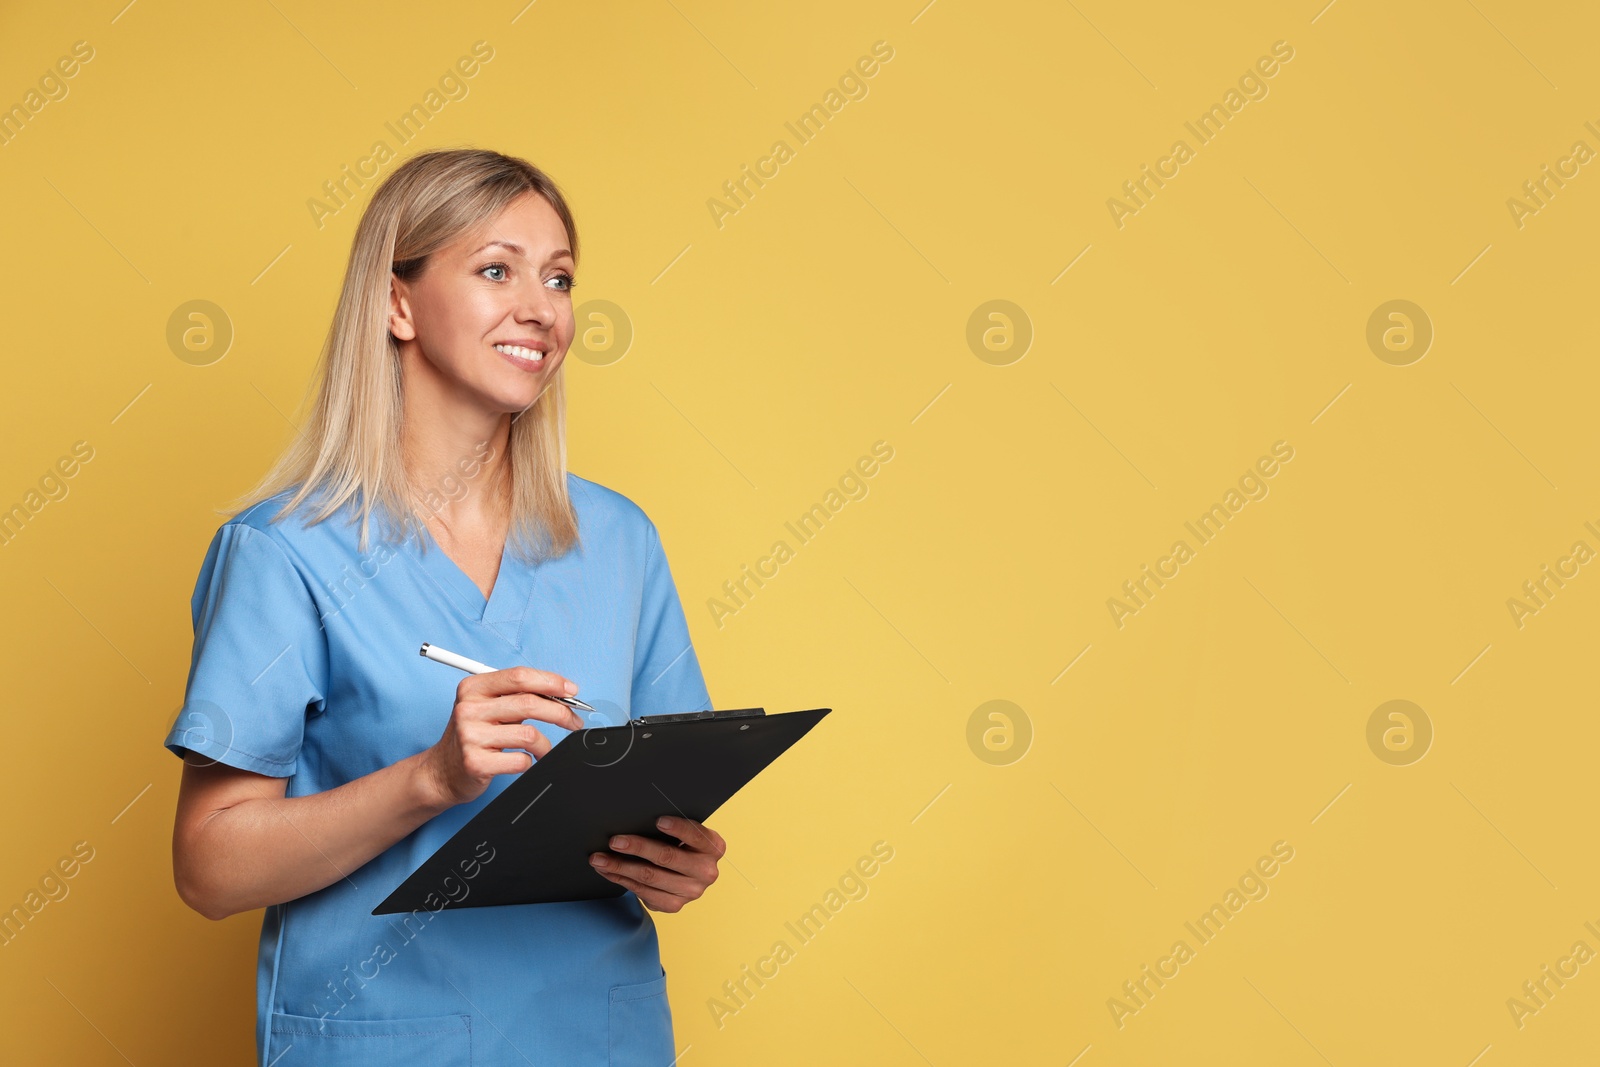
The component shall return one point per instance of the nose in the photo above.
(534, 304)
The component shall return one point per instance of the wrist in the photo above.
(427, 791)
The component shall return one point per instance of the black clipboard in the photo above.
(531, 844)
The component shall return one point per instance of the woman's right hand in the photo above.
(487, 717)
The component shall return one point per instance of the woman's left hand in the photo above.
(665, 877)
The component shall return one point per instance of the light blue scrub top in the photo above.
(306, 666)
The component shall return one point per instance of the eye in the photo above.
(496, 266)
(568, 279)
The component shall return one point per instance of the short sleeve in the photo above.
(666, 672)
(260, 659)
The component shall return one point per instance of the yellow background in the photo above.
(769, 354)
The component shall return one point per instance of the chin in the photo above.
(514, 405)
(518, 388)
(513, 401)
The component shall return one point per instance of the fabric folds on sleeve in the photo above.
(666, 675)
(260, 661)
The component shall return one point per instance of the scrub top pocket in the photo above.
(641, 1025)
(434, 1040)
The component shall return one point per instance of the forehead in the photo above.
(527, 227)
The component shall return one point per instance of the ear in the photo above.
(401, 325)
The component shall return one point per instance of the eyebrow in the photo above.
(517, 249)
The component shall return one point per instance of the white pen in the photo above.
(472, 666)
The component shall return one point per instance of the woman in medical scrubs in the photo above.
(427, 500)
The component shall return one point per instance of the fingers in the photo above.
(520, 696)
(488, 725)
(654, 899)
(516, 735)
(665, 877)
(527, 737)
(515, 680)
(485, 764)
(696, 835)
(663, 890)
(700, 867)
(516, 707)
(550, 711)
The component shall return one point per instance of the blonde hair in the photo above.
(350, 446)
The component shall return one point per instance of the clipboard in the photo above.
(531, 843)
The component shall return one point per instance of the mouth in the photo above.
(526, 358)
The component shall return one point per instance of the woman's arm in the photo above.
(239, 843)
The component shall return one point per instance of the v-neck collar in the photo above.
(507, 604)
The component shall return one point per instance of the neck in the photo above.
(453, 449)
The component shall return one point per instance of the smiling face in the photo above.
(489, 319)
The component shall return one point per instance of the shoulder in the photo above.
(613, 527)
(298, 535)
(606, 507)
(259, 516)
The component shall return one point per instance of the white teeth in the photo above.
(520, 352)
